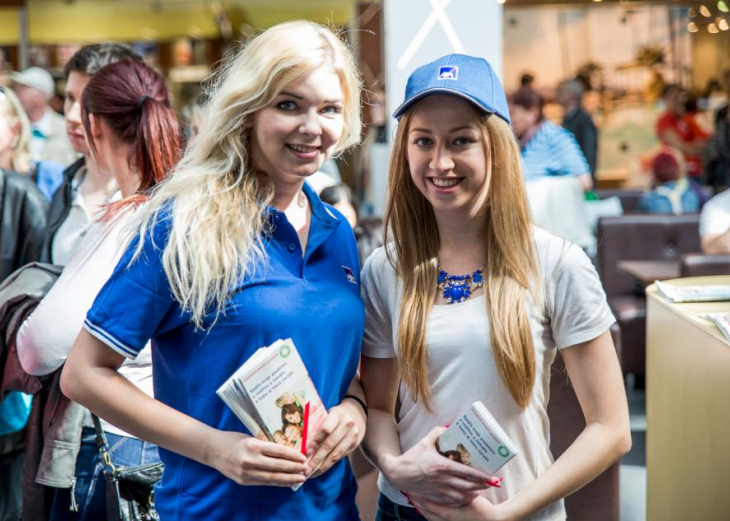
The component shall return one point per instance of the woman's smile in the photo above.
(306, 152)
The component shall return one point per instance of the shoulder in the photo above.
(556, 254)
(378, 264)
(721, 202)
(20, 184)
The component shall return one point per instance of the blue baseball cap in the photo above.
(465, 76)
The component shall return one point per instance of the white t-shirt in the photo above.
(715, 216)
(461, 367)
(45, 338)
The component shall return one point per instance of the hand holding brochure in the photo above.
(274, 397)
(674, 293)
(477, 440)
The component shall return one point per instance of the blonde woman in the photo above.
(470, 302)
(15, 132)
(233, 252)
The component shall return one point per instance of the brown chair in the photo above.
(599, 500)
(638, 237)
(629, 198)
(699, 265)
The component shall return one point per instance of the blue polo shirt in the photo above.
(553, 151)
(314, 299)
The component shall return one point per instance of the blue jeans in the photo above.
(389, 511)
(89, 491)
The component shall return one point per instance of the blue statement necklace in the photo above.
(458, 288)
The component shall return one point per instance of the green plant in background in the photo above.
(590, 71)
(649, 55)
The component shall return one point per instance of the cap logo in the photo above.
(448, 73)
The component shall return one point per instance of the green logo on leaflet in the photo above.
(284, 351)
(503, 451)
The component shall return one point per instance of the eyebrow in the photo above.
(297, 96)
(457, 129)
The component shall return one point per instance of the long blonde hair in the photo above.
(511, 265)
(12, 109)
(216, 196)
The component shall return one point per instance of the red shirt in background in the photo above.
(688, 131)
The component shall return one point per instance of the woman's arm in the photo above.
(90, 378)
(421, 468)
(595, 374)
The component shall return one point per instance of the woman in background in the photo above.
(133, 136)
(15, 132)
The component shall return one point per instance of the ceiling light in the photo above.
(691, 12)
(722, 6)
(712, 29)
(692, 27)
(704, 11)
(723, 25)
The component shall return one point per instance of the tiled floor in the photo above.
(633, 465)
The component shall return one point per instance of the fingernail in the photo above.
(447, 425)
(418, 512)
(493, 483)
(404, 493)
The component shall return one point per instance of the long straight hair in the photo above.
(511, 266)
(133, 101)
(217, 197)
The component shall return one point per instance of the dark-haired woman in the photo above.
(133, 134)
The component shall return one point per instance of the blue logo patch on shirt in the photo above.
(448, 73)
(350, 275)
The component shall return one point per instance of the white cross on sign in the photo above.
(438, 13)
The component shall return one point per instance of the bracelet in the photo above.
(358, 400)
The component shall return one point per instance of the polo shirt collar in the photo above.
(323, 224)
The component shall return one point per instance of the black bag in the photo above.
(129, 490)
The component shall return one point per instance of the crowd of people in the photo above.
(175, 260)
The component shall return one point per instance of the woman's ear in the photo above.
(16, 129)
(96, 124)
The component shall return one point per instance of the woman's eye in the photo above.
(286, 105)
(423, 142)
(331, 109)
(462, 141)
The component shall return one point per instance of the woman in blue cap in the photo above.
(469, 301)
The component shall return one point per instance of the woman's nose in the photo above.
(310, 125)
(441, 160)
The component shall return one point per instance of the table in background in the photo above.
(648, 271)
(688, 409)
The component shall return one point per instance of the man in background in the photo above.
(86, 188)
(35, 89)
(578, 121)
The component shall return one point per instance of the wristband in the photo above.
(358, 400)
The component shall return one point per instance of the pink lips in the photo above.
(304, 155)
(444, 189)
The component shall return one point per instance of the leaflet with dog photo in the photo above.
(477, 440)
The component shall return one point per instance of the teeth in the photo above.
(445, 182)
(303, 148)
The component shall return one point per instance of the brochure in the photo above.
(693, 293)
(274, 397)
(721, 320)
(477, 440)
